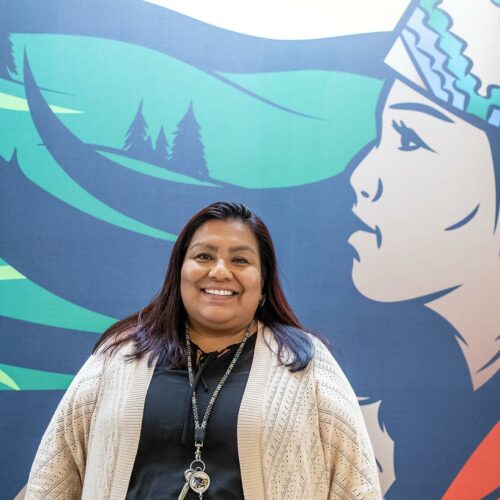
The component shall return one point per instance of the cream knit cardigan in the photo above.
(300, 435)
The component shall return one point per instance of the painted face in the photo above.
(221, 278)
(426, 193)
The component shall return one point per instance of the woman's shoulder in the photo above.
(323, 364)
(318, 344)
(98, 366)
(94, 367)
(333, 390)
(332, 386)
(115, 347)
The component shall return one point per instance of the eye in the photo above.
(240, 260)
(203, 256)
(410, 140)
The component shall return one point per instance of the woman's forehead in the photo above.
(228, 232)
(402, 96)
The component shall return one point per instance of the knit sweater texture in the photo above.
(300, 435)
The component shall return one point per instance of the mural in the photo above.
(431, 209)
(371, 152)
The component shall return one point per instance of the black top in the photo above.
(166, 445)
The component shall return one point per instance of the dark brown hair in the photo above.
(158, 329)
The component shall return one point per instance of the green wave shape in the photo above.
(247, 142)
(24, 300)
(16, 378)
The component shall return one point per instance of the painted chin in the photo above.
(368, 283)
(365, 243)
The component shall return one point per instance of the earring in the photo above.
(262, 300)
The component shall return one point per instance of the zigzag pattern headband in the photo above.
(449, 74)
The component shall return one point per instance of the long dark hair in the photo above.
(157, 329)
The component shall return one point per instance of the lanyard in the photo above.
(196, 477)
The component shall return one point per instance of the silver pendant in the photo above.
(199, 481)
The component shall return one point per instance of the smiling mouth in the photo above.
(215, 292)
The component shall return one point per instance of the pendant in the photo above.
(196, 477)
(199, 481)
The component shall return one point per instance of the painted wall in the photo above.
(367, 136)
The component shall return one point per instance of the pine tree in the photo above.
(7, 63)
(137, 141)
(160, 153)
(188, 152)
(148, 150)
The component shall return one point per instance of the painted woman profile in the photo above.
(429, 190)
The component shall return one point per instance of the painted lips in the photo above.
(362, 226)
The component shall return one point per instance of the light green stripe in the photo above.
(6, 380)
(9, 273)
(14, 103)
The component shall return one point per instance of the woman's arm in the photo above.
(59, 466)
(347, 448)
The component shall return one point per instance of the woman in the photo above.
(212, 390)
(428, 194)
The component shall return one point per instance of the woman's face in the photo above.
(427, 193)
(221, 277)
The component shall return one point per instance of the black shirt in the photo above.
(166, 445)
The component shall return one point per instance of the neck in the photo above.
(216, 340)
(474, 311)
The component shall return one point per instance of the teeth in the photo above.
(218, 292)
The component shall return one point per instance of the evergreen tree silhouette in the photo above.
(160, 153)
(137, 141)
(7, 63)
(148, 153)
(188, 152)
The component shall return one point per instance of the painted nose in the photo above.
(365, 180)
(219, 271)
(374, 194)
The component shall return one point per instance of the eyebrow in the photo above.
(422, 108)
(239, 248)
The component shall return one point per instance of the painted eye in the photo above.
(410, 140)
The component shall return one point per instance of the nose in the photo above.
(366, 180)
(219, 271)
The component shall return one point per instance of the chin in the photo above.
(218, 321)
